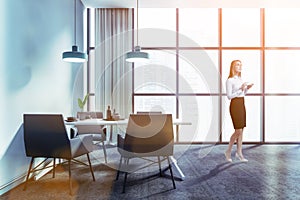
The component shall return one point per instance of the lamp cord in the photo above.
(137, 22)
(75, 21)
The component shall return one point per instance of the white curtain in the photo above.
(113, 75)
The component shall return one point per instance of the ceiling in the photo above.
(191, 3)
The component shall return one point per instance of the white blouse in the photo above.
(233, 87)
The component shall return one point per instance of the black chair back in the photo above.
(45, 135)
(150, 134)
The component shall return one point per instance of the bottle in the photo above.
(108, 113)
(114, 114)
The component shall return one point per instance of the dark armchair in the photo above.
(45, 136)
(147, 136)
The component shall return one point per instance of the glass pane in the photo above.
(252, 131)
(282, 116)
(92, 30)
(203, 113)
(251, 67)
(241, 27)
(157, 27)
(157, 76)
(165, 104)
(92, 103)
(91, 71)
(198, 71)
(204, 33)
(282, 27)
(282, 71)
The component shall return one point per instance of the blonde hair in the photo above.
(231, 74)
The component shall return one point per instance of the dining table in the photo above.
(124, 122)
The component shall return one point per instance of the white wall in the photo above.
(33, 77)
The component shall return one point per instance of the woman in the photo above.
(236, 89)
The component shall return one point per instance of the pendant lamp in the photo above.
(137, 55)
(74, 55)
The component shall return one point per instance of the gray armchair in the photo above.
(89, 115)
(147, 135)
(45, 136)
(98, 132)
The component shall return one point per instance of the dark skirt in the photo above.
(238, 112)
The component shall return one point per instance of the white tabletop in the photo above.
(117, 122)
(97, 122)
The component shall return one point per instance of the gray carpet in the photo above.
(271, 173)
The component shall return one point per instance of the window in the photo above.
(240, 27)
(253, 130)
(157, 76)
(157, 27)
(282, 71)
(282, 119)
(194, 25)
(282, 27)
(203, 113)
(189, 65)
(251, 67)
(198, 71)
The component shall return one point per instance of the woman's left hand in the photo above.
(249, 86)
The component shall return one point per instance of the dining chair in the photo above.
(98, 132)
(147, 135)
(45, 136)
(89, 115)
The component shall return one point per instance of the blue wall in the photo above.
(33, 77)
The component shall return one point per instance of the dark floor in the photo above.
(273, 172)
